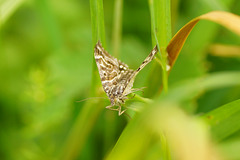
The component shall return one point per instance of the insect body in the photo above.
(117, 79)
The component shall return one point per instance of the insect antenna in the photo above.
(92, 98)
(138, 89)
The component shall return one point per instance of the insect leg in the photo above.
(119, 109)
(113, 109)
(120, 112)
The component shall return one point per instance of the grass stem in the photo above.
(117, 27)
(87, 117)
(161, 33)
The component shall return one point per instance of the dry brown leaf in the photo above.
(224, 50)
(228, 20)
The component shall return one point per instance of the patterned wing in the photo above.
(130, 80)
(122, 82)
(110, 70)
(117, 79)
(148, 59)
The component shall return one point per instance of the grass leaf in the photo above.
(224, 120)
(91, 110)
(117, 27)
(7, 8)
(187, 135)
(228, 20)
(161, 35)
(192, 87)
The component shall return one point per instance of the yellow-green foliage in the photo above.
(189, 112)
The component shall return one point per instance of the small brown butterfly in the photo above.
(117, 79)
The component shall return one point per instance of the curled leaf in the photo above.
(228, 20)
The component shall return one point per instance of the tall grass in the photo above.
(133, 143)
(198, 117)
(91, 110)
(117, 27)
(161, 32)
(161, 35)
(98, 34)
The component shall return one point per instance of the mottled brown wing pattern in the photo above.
(148, 59)
(117, 79)
(108, 67)
(111, 72)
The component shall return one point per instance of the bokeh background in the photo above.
(46, 56)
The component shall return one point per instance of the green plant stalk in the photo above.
(151, 90)
(174, 13)
(142, 99)
(132, 143)
(91, 110)
(98, 33)
(80, 130)
(161, 34)
(94, 21)
(100, 20)
(154, 80)
(109, 120)
(117, 27)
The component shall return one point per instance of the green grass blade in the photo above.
(100, 20)
(161, 35)
(189, 89)
(224, 120)
(117, 27)
(80, 130)
(97, 19)
(95, 37)
(153, 80)
(7, 8)
(91, 110)
(132, 143)
(94, 21)
(98, 33)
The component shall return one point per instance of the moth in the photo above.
(116, 77)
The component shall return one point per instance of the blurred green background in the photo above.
(46, 56)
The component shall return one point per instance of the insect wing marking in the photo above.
(117, 79)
